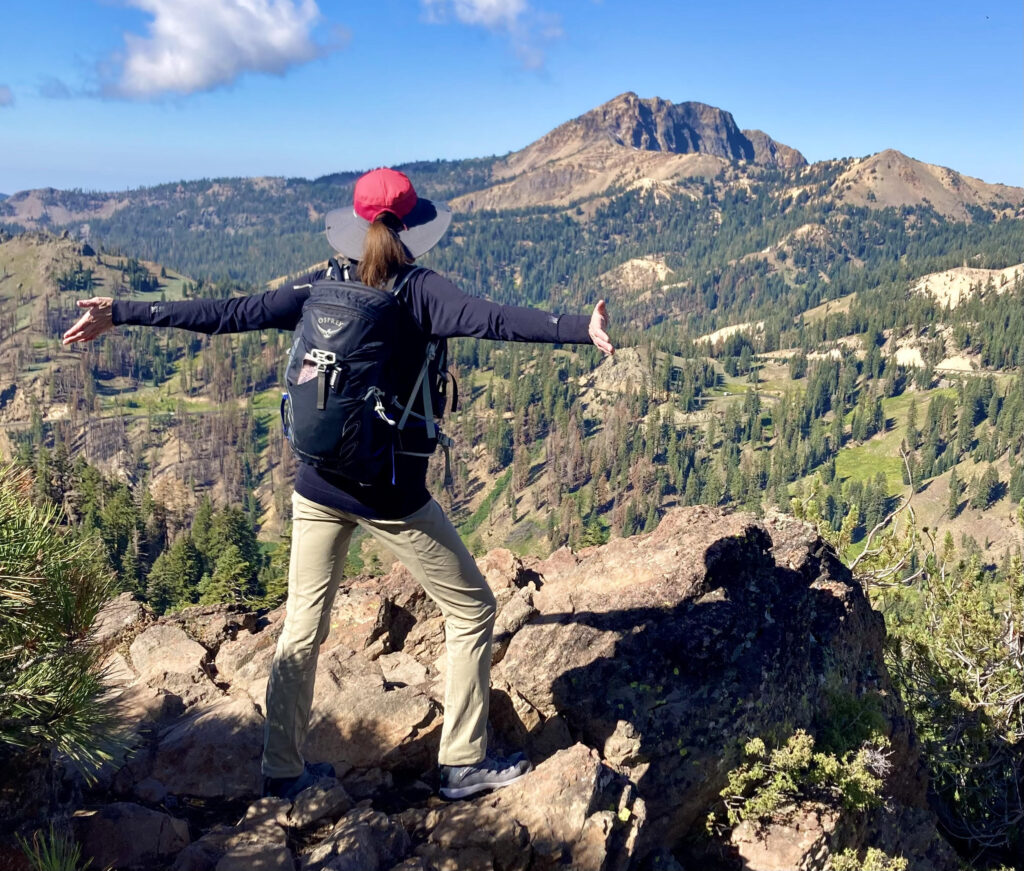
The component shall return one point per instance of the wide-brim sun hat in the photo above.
(386, 190)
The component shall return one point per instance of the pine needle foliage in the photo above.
(52, 586)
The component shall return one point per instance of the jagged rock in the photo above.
(798, 841)
(324, 799)
(572, 811)
(632, 673)
(150, 790)
(362, 840)
(666, 651)
(165, 657)
(115, 671)
(214, 751)
(360, 617)
(261, 833)
(358, 720)
(366, 783)
(117, 619)
(512, 616)
(212, 625)
(244, 662)
(128, 835)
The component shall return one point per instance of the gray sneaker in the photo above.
(462, 781)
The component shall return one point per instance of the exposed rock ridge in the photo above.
(631, 673)
(656, 125)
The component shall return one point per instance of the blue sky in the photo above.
(111, 94)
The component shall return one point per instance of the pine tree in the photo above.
(53, 587)
(956, 487)
(230, 580)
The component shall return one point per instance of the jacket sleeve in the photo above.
(280, 309)
(446, 312)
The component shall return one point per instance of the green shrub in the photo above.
(874, 860)
(770, 780)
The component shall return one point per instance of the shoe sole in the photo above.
(467, 791)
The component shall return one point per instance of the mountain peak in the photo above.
(656, 124)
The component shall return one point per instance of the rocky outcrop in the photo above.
(627, 142)
(631, 673)
(655, 125)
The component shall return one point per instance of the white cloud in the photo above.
(199, 45)
(526, 29)
(489, 13)
(6, 96)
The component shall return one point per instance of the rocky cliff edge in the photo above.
(632, 673)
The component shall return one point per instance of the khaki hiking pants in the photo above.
(428, 545)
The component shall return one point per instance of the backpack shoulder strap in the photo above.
(337, 271)
(395, 285)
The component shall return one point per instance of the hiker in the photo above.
(387, 227)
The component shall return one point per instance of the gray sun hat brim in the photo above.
(424, 226)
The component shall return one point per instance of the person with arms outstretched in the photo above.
(387, 227)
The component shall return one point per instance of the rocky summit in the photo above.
(632, 673)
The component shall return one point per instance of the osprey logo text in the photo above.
(329, 327)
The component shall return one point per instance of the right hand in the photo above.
(98, 319)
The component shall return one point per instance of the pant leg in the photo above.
(429, 546)
(320, 538)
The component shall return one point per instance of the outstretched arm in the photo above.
(445, 311)
(280, 309)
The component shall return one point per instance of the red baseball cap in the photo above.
(383, 190)
(387, 190)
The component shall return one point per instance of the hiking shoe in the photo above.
(289, 787)
(462, 781)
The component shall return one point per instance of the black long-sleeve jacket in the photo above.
(438, 306)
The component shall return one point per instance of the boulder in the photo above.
(632, 673)
(362, 840)
(257, 857)
(259, 838)
(572, 811)
(212, 752)
(168, 649)
(128, 835)
(665, 652)
(799, 839)
(325, 799)
(361, 720)
(244, 662)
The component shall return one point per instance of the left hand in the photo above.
(96, 320)
(598, 326)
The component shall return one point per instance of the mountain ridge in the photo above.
(626, 142)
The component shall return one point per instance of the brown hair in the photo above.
(383, 251)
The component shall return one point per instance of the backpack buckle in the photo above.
(323, 359)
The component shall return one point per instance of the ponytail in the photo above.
(383, 252)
